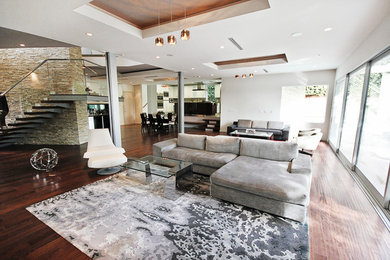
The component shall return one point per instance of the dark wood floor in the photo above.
(342, 223)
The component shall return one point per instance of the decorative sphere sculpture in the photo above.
(44, 159)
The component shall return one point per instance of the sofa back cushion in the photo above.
(244, 123)
(191, 141)
(271, 150)
(275, 125)
(259, 124)
(223, 144)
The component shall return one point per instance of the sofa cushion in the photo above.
(191, 141)
(223, 144)
(271, 150)
(259, 124)
(244, 123)
(265, 178)
(275, 125)
(199, 157)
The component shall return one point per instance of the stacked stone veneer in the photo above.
(59, 77)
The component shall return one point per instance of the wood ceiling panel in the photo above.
(144, 13)
(250, 62)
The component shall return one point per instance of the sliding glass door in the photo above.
(374, 152)
(337, 107)
(360, 125)
(352, 112)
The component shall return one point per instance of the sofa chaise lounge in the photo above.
(261, 174)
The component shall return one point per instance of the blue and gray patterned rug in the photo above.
(121, 217)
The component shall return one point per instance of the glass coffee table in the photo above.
(253, 134)
(158, 171)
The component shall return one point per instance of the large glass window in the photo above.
(337, 105)
(352, 111)
(374, 154)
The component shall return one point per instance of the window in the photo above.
(337, 105)
(374, 153)
(352, 111)
(304, 103)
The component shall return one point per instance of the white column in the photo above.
(180, 103)
(113, 98)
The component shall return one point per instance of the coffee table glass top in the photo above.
(156, 165)
(254, 133)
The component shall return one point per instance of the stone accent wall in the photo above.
(54, 77)
(68, 128)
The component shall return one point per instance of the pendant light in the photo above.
(159, 41)
(171, 38)
(185, 34)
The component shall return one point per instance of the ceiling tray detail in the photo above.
(252, 62)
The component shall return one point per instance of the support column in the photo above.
(113, 98)
(180, 103)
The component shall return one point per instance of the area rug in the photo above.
(122, 218)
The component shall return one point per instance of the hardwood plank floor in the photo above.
(342, 223)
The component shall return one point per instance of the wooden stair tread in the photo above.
(40, 112)
(31, 118)
(24, 123)
(47, 107)
(17, 128)
(57, 101)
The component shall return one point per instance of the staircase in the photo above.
(40, 113)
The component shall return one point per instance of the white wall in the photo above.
(259, 98)
(376, 42)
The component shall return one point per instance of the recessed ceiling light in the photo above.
(255, 71)
(192, 68)
(89, 34)
(157, 57)
(211, 75)
(22, 44)
(296, 34)
(222, 47)
(328, 29)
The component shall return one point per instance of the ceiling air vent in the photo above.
(235, 43)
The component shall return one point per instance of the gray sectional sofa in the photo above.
(267, 175)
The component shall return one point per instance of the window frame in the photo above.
(380, 203)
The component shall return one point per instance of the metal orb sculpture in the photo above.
(44, 159)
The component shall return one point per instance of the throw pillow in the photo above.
(275, 125)
(191, 141)
(223, 144)
(259, 124)
(244, 123)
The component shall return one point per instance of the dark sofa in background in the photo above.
(279, 129)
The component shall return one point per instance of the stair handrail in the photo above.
(40, 65)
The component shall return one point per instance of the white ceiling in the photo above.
(260, 33)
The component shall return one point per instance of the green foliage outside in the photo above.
(356, 85)
(211, 93)
(319, 91)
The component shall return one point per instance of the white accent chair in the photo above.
(308, 140)
(102, 153)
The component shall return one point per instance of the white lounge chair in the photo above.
(102, 153)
